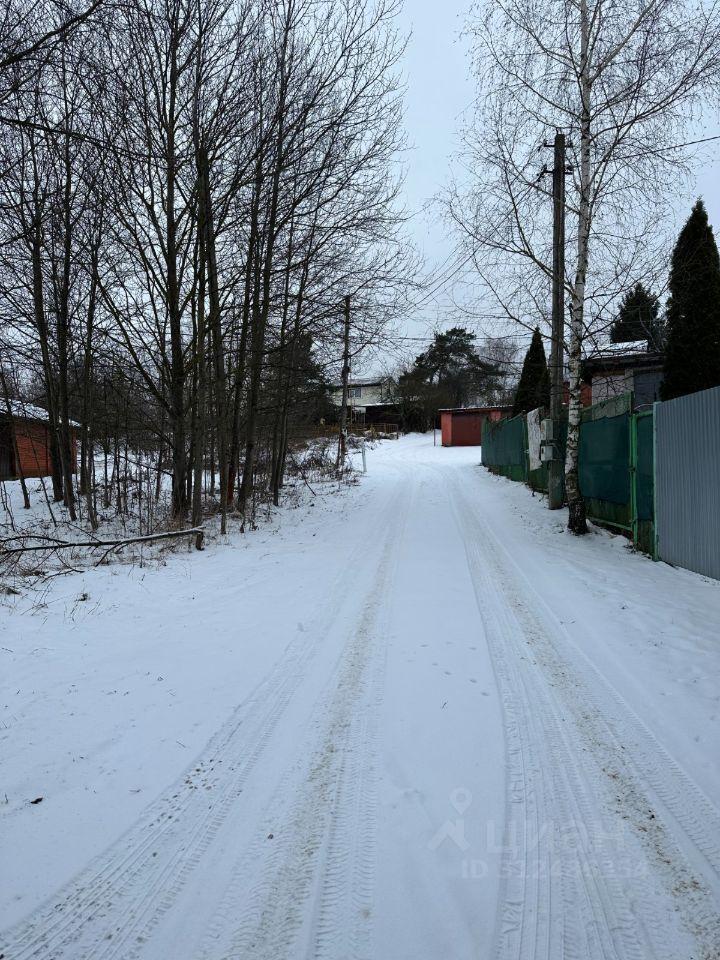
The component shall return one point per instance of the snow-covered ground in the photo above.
(413, 719)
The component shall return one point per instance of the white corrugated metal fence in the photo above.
(687, 481)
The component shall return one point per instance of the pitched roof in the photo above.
(28, 411)
(495, 406)
(363, 382)
(634, 353)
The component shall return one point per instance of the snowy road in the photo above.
(464, 734)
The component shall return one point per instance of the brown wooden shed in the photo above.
(462, 426)
(25, 442)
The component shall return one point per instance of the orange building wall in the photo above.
(32, 449)
(461, 429)
(446, 429)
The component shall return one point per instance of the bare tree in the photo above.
(193, 188)
(623, 82)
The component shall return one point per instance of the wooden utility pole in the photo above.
(342, 442)
(556, 465)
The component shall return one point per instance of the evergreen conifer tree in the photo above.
(534, 386)
(637, 318)
(450, 373)
(692, 349)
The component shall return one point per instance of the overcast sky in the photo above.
(438, 92)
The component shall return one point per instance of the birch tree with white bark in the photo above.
(625, 82)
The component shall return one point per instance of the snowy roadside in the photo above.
(114, 678)
(134, 524)
(378, 641)
(652, 630)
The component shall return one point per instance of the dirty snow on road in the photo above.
(413, 719)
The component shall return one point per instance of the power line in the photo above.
(691, 143)
(484, 337)
(436, 285)
(674, 146)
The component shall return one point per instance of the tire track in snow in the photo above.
(342, 926)
(605, 912)
(323, 818)
(638, 760)
(571, 911)
(112, 908)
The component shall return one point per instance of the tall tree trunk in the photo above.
(87, 452)
(199, 448)
(261, 312)
(241, 358)
(576, 505)
(215, 330)
(63, 332)
(290, 383)
(342, 439)
(283, 375)
(256, 356)
(177, 358)
(43, 336)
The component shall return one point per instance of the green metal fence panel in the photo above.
(512, 443)
(616, 468)
(504, 447)
(616, 463)
(538, 479)
(642, 475)
(644, 471)
(605, 459)
(488, 449)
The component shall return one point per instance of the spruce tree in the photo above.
(450, 373)
(637, 318)
(692, 349)
(534, 387)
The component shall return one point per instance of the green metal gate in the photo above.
(642, 488)
(616, 468)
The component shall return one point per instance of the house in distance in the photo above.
(25, 442)
(370, 400)
(619, 368)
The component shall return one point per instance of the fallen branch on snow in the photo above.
(51, 544)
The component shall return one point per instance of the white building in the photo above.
(618, 368)
(370, 392)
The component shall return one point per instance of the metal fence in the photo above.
(654, 474)
(504, 447)
(615, 463)
(687, 481)
(604, 463)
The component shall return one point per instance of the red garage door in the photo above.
(466, 429)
